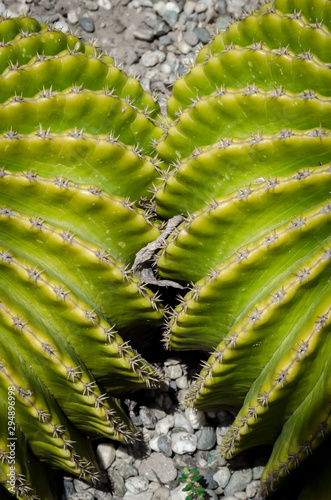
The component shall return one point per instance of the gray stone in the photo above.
(257, 471)
(161, 494)
(215, 459)
(189, 7)
(87, 24)
(238, 482)
(222, 476)
(173, 371)
(221, 6)
(83, 495)
(222, 22)
(91, 5)
(170, 17)
(144, 495)
(147, 416)
(202, 34)
(206, 438)
(181, 461)
(178, 493)
(102, 495)
(72, 16)
(126, 470)
(183, 442)
(2, 8)
(164, 445)
(136, 484)
(196, 418)
(106, 453)
(211, 494)
(68, 488)
(158, 467)
(105, 4)
(160, 8)
(119, 27)
(161, 29)
(144, 34)
(201, 7)
(163, 426)
(191, 38)
(149, 59)
(81, 485)
(241, 495)
(123, 453)
(181, 422)
(117, 482)
(209, 480)
(251, 491)
(182, 382)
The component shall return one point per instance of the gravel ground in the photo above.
(157, 40)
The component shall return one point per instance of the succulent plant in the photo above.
(243, 155)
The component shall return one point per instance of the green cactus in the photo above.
(245, 158)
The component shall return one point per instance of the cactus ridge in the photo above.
(87, 210)
(274, 28)
(205, 175)
(235, 113)
(35, 410)
(10, 28)
(98, 269)
(235, 66)
(81, 110)
(223, 371)
(57, 366)
(94, 72)
(208, 311)
(233, 220)
(121, 170)
(103, 350)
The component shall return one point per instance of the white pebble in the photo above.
(153, 443)
(183, 442)
(136, 484)
(172, 6)
(195, 417)
(72, 17)
(181, 381)
(160, 8)
(61, 25)
(105, 4)
(106, 453)
(163, 426)
(201, 7)
(189, 7)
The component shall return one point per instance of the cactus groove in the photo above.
(243, 154)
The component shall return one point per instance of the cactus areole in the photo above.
(90, 172)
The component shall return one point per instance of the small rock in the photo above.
(160, 8)
(102, 495)
(119, 27)
(222, 22)
(159, 414)
(157, 467)
(195, 417)
(163, 426)
(181, 421)
(2, 8)
(181, 461)
(83, 495)
(68, 488)
(161, 494)
(222, 476)
(238, 482)
(164, 445)
(257, 471)
(206, 438)
(178, 493)
(72, 16)
(106, 453)
(215, 459)
(202, 34)
(122, 453)
(209, 481)
(241, 495)
(189, 7)
(87, 24)
(170, 17)
(153, 443)
(137, 484)
(81, 485)
(182, 382)
(144, 495)
(221, 6)
(117, 482)
(251, 491)
(127, 470)
(211, 494)
(91, 5)
(150, 59)
(147, 416)
(161, 29)
(183, 442)
(191, 38)
(201, 7)
(146, 35)
(105, 4)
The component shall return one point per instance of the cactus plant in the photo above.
(243, 154)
